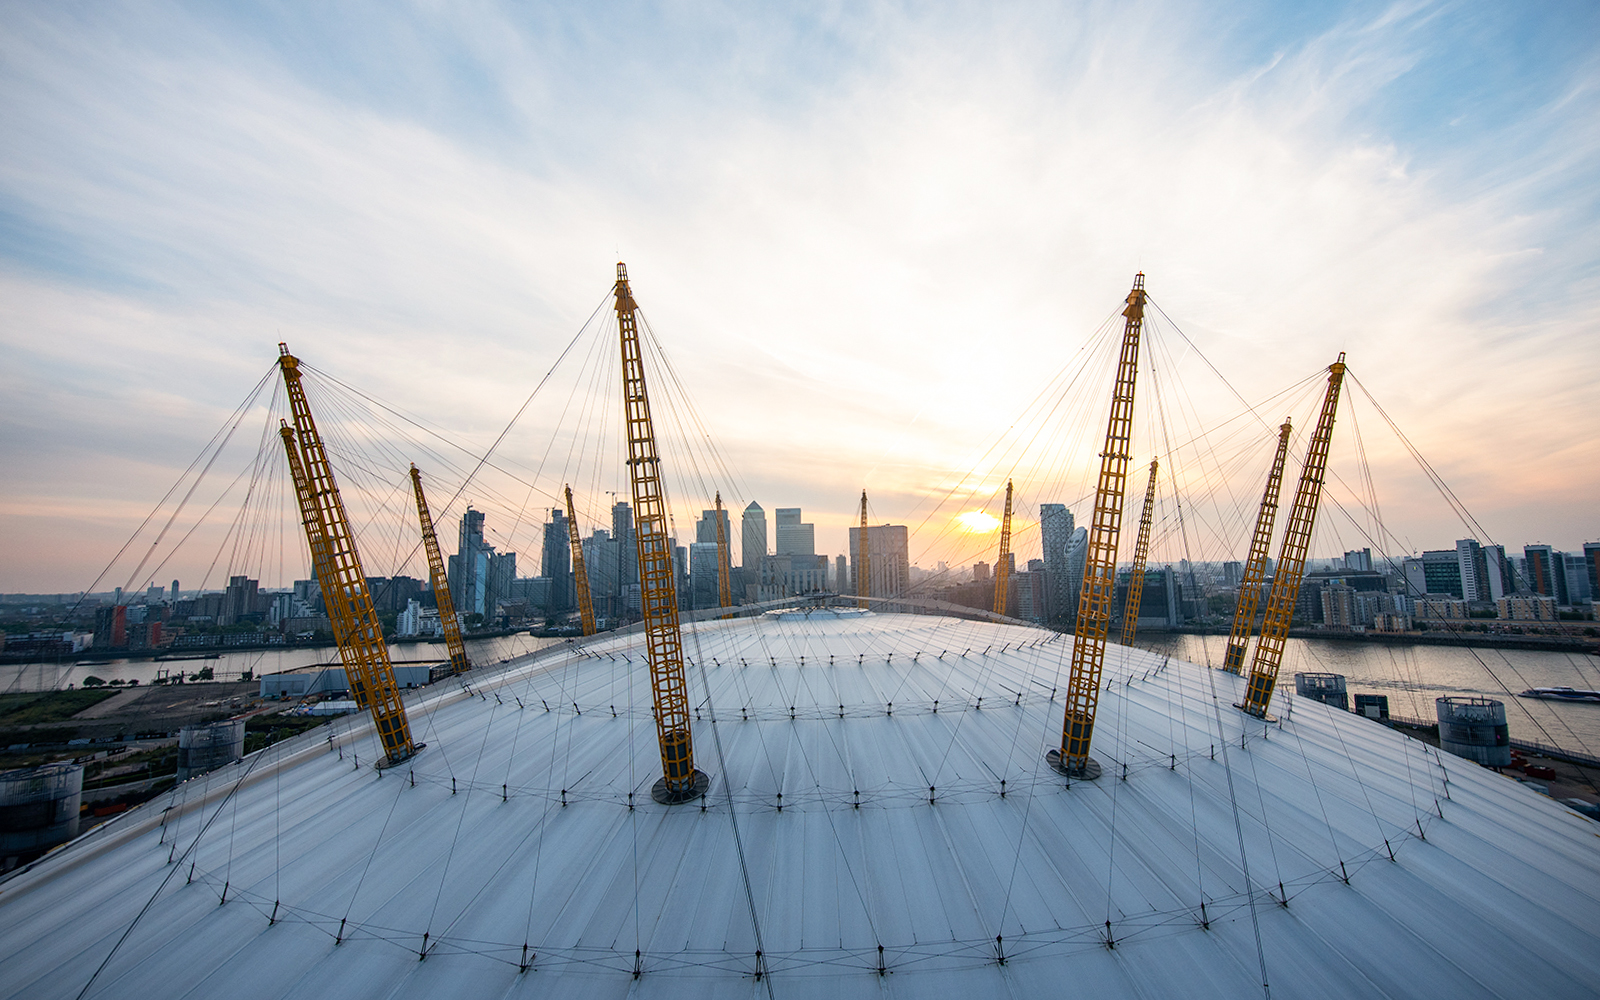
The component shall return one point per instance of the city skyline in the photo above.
(184, 189)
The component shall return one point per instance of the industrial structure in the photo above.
(1002, 565)
(898, 801)
(338, 567)
(1255, 567)
(580, 572)
(680, 780)
(448, 622)
(1100, 569)
(1292, 555)
(1141, 552)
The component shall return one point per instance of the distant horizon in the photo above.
(878, 247)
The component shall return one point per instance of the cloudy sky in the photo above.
(868, 234)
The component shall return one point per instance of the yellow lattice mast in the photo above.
(338, 567)
(1255, 570)
(441, 585)
(580, 573)
(1141, 552)
(1002, 566)
(1100, 565)
(680, 781)
(724, 588)
(863, 566)
(1292, 555)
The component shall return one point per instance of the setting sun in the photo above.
(978, 522)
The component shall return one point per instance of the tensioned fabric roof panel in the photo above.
(879, 819)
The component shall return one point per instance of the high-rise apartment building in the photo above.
(1358, 560)
(704, 583)
(1055, 533)
(1577, 577)
(1498, 566)
(705, 529)
(1232, 574)
(623, 530)
(888, 559)
(1441, 571)
(480, 576)
(555, 563)
(1546, 573)
(753, 537)
(1077, 559)
(1473, 565)
(1591, 561)
(794, 538)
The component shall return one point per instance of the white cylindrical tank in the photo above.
(1475, 728)
(208, 747)
(39, 807)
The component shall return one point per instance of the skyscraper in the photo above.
(1546, 573)
(1077, 559)
(705, 529)
(479, 576)
(1474, 568)
(888, 559)
(754, 540)
(794, 538)
(556, 561)
(1055, 532)
(704, 583)
(622, 530)
(1441, 571)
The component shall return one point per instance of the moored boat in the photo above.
(1562, 694)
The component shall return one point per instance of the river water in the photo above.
(230, 666)
(1413, 676)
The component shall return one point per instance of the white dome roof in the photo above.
(528, 821)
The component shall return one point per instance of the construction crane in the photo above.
(1002, 566)
(724, 590)
(1292, 555)
(459, 664)
(1141, 551)
(680, 781)
(863, 567)
(1255, 570)
(1100, 565)
(338, 568)
(580, 573)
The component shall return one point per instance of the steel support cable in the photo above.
(482, 460)
(226, 432)
(1449, 495)
(739, 488)
(833, 827)
(1047, 393)
(1238, 829)
(1227, 766)
(168, 877)
(1455, 630)
(461, 819)
(1044, 426)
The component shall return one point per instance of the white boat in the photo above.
(1562, 694)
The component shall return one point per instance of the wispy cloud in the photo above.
(835, 220)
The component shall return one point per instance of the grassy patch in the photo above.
(31, 708)
(265, 730)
